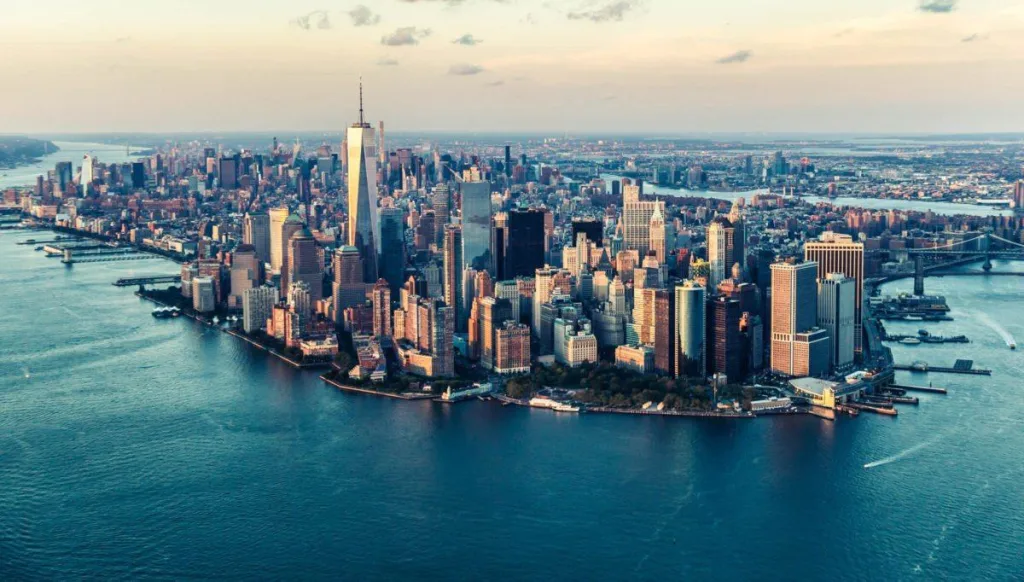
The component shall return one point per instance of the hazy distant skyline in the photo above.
(661, 66)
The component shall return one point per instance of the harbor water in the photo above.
(137, 448)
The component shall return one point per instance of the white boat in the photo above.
(914, 318)
(542, 402)
(910, 341)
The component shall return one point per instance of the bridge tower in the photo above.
(918, 275)
(988, 246)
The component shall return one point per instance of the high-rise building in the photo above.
(493, 314)
(363, 226)
(794, 311)
(476, 225)
(547, 284)
(660, 239)
(524, 243)
(442, 203)
(836, 301)
(838, 253)
(725, 354)
(256, 232)
(349, 289)
(453, 268)
(512, 348)
(245, 273)
(203, 295)
(636, 220)
(88, 170)
(228, 171)
(721, 237)
(392, 253)
(257, 306)
(381, 298)
(664, 331)
(277, 239)
(690, 330)
(305, 263)
(592, 228)
(289, 227)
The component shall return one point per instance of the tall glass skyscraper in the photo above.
(476, 225)
(363, 226)
(392, 255)
(690, 330)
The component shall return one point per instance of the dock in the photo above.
(960, 367)
(876, 408)
(929, 389)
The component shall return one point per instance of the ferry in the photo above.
(166, 312)
(914, 318)
(910, 341)
(542, 402)
(1013, 345)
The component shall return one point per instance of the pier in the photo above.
(960, 367)
(905, 388)
(142, 281)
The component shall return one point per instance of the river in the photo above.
(70, 151)
(943, 208)
(135, 448)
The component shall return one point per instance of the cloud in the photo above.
(406, 35)
(937, 6)
(387, 63)
(495, 83)
(123, 39)
(736, 57)
(976, 37)
(363, 16)
(467, 40)
(318, 19)
(843, 32)
(614, 11)
(464, 70)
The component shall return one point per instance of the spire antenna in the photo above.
(361, 100)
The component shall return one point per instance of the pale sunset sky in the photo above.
(663, 66)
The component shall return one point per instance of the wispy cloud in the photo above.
(495, 83)
(937, 6)
(976, 37)
(318, 19)
(387, 63)
(613, 11)
(736, 57)
(404, 36)
(843, 32)
(467, 40)
(363, 16)
(464, 70)
(123, 39)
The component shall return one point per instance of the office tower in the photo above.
(636, 220)
(245, 273)
(442, 340)
(499, 226)
(547, 284)
(138, 175)
(837, 295)
(427, 232)
(690, 330)
(660, 243)
(363, 226)
(837, 253)
(305, 263)
(349, 289)
(508, 161)
(468, 289)
(277, 239)
(256, 232)
(257, 306)
(65, 175)
(723, 332)
(290, 226)
(453, 267)
(509, 290)
(493, 313)
(203, 295)
(592, 228)
(1018, 195)
(512, 348)
(476, 225)
(794, 311)
(88, 170)
(720, 251)
(524, 243)
(381, 298)
(442, 203)
(300, 302)
(228, 172)
(664, 331)
(392, 253)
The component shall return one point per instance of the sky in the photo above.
(559, 66)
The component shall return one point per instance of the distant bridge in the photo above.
(142, 281)
(986, 246)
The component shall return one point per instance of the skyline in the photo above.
(536, 66)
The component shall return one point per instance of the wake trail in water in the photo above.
(1003, 333)
(901, 454)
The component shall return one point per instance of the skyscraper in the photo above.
(277, 239)
(245, 273)
(636, 219)
(442, 203)
(476, 225)
(256, 232)
(837, 253)
(290, 226)
(794, 311)
(453, 267)
(836, 298)
(724, 349)
(524, 243)
(392, 255)
(363, 226)
(381, 298)
(349, 289)
(720, 251)
(305, 264)
(690, 325)
(664, 331)
(592, 228)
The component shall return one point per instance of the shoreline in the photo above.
(370, 392)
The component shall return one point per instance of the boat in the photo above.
(543, 402)
(1013, 345)
(562, 407)
(166, 312)
(910, 341)
(914, 318)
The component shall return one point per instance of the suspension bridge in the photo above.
(939, 260)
